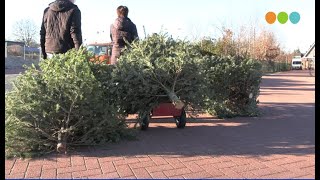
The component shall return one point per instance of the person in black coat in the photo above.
(60, 28)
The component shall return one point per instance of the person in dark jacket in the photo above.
(61, 28)
(122, 29)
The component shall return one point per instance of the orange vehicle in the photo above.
(102, 52)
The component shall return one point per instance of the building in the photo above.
(308, 60)
(19, 49)
(16, 46)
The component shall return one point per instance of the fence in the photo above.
(275, 66)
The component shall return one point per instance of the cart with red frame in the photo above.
(102, 52)
(166, 109)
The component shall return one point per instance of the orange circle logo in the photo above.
(271, 17)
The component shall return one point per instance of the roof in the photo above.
(14, 42)
(310, 49)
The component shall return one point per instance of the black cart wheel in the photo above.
(182, 120)
(145, 122)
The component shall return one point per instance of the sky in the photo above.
(180, 18)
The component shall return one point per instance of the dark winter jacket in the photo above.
(61, 27)
(122, 28)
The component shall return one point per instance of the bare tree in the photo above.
(26, 31)
(266, 46)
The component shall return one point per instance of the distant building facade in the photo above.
(308, 60)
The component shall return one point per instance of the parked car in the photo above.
(296, 63)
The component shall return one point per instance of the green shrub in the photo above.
(158, 69)
(61, 104)
(235, 83)
(150, 71)
(70, 101)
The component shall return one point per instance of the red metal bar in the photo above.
(166, 109)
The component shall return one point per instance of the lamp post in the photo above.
(144, 30)
(6, 50)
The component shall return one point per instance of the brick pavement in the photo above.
(278, 144)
